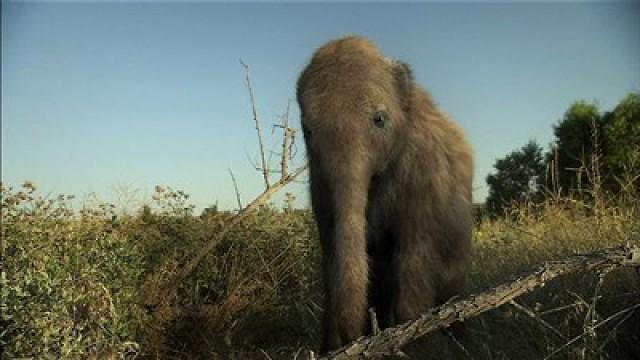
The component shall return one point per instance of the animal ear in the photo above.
(404, 81)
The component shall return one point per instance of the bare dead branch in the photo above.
(235, 186)
(265, 173)
(189, 262)
(160, 289)
(163, 294)
(388, 341)
(285, 142)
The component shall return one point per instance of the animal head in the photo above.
(355, 104)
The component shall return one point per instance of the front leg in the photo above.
(323, 213)
(344, 265)
(346, 277)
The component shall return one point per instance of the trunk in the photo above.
(348, 265)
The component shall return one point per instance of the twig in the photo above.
(621, 312)
(266, 355)
(235, 186)
(265, 172)
(192, 260)
(612, 332)
(375, 328)
(285, 142)
(537, 318)
(446, 314)
(591, 317)
(459, 344)
(293, 147)
(558, 309)
(160, 289)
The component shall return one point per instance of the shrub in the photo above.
(68, 280)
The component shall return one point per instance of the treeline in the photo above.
(593, 152)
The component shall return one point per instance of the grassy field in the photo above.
(72, 281)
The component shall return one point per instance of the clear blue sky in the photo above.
(101, 95)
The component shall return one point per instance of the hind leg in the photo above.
(414, 290)
(452, 283)
(413, 294)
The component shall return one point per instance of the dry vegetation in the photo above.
(77, 282)
(71, 281)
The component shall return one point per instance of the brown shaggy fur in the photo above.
(390, 189)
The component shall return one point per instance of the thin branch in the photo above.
(375, 328)
(615, 328)
(271, 171)
(235, 186)
(162, 295)
(459, 344)
(192, 261)
(391, 339)
(621, 312)
(537, 318)
(161, 289)
(293, 148)
(252, 162)
(265, 173)
(285, 142)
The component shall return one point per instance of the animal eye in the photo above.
(380, 119)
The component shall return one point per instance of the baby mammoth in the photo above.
(390, 189)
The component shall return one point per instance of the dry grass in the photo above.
(566, 320)
(71, 281)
